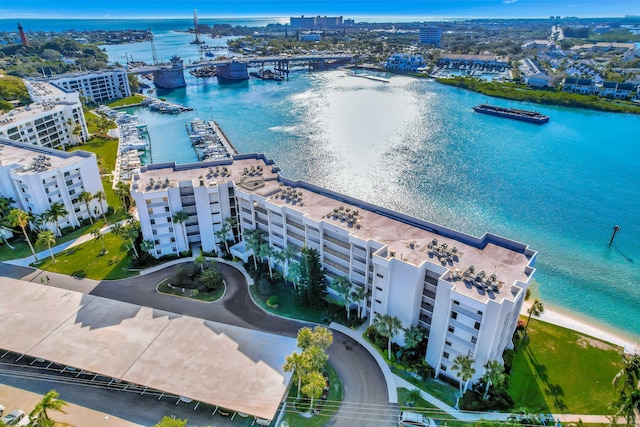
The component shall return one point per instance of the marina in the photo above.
(133, 142)
(209, 141)
(512, 113)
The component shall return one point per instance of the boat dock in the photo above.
(166, 107)
(368, 76)
(208, 140)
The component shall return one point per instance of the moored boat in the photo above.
(512, 113)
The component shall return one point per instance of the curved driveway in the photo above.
(365, 400)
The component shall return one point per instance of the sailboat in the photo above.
(195, 27)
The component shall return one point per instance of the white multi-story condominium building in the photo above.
(96, 86)
(36, 177)
(405, 62)
(465, 292)
(430, 35)
(54, 120)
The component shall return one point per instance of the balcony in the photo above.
(338, 242)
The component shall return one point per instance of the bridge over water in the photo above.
(171, 75)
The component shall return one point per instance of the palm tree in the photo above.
(49, 402)
(233, 223)
(131, 232)
(222, 234)
(293, 274)
(181, 217)
(314, 384)
(299, 365)
(266, 251)
(39, 221)
(55, 212)
(147, 245)
(319, 336)
(200, 261)
(493, 375)
(19, 218)
(359, 294)
(101, 196)
(288, 253)
(463, 366)
(536, 309)
(118, 230)
(99, 236)
(85, 197)
(253, 239)
(343, 286)
(47, 239)
(628, 403)
(388, 326)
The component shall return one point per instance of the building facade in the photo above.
(430, 35)
(316, 21)
(36, 177)
(405, 62)
(54, 120)
(96, 86)
(465, 292)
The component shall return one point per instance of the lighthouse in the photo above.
(23, 37)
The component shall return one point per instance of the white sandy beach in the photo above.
(566, 320)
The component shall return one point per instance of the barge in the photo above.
(512, 113)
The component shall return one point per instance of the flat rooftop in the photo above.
(28, 114)
(408, 238)
(235, 368)
(22, 156)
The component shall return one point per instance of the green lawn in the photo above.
(558, 370)
(201, 296)
(106, 150)
(132, 100)
(21, 248)
(86, 260)
(290, 305)
(330, 407)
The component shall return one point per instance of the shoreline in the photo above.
(558, 316)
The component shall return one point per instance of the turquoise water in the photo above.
(416, 146)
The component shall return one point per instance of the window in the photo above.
(72, 192)
(378, 301)
(448, 343)
(153, 221)
(379, 275)
(445, 355)
(480, 312)
(378, 289)
(157, 242)
(474, 340)
(452, 329)
(150, 211)
(170, 229)
(159, 251)
(456, 302)
(443, 368)
(165, 199)
(168, 219)
(454, 315)
(173, 240)
(166, 208)
(477, 325)
(155, 232)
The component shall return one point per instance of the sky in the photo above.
(23, 9)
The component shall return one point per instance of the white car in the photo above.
(413, 419)
(13, 417)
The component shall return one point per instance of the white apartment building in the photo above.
(54, 120)
(430, 35)
(405, 62)
(35, 177)
(410, 268)
(96, 86)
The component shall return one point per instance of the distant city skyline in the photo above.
(64, 9)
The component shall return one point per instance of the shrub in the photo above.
(264, 287)
(273, 301)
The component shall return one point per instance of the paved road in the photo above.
(365, 395)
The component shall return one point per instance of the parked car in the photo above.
(413, 419)
(13, 417)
